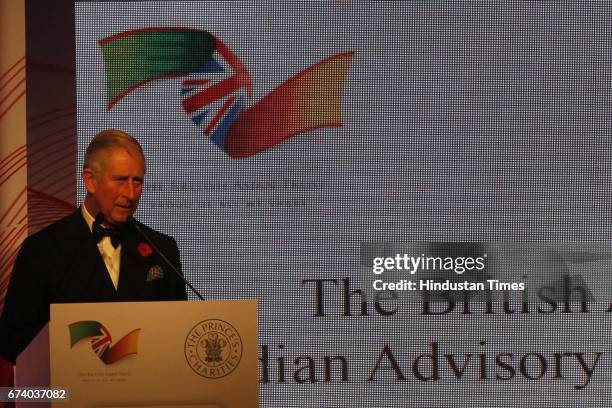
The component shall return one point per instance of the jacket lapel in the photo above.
(89, 273)
(133, 273)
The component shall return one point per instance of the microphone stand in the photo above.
(134, 223)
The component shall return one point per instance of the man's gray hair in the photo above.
(105, 141)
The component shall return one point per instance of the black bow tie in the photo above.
(115, 234)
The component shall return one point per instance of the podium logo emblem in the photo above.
(213, 348)
(102, 342)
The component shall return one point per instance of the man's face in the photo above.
(116, 190)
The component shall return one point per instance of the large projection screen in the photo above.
(284, 137)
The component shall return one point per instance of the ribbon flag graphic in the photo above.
(101, 340)
(216, 87)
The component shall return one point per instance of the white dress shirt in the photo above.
(110, 254)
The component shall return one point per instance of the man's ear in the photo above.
(89, 178)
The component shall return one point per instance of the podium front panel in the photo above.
(139, 354)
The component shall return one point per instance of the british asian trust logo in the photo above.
(216, 87)
(101, 341)
(213, 348)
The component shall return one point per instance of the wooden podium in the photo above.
(147, 354)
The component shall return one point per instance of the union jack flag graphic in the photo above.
(216, 93)
(100, 343)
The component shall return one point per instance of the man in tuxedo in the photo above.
(95, 254)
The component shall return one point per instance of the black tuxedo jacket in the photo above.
(62, 264)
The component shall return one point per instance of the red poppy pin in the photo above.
(144, 249)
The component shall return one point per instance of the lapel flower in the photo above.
(144, 249)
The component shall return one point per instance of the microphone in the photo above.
(132, 222)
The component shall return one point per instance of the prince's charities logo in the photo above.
(213, 348)
(216, 87)
(101, 341)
